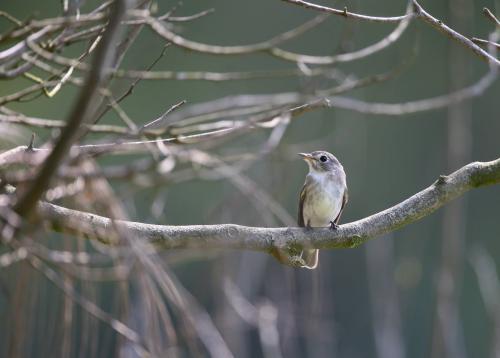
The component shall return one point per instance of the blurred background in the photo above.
(429, 289)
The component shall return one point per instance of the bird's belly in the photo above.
(322, 207)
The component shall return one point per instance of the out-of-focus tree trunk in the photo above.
(384, 299)
(448, 340)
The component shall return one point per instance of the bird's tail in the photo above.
(311, 258)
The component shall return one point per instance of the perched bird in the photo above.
(323, 197)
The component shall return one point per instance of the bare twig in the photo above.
(487, 12)
(147, 74)
(350, 56)
(397, 109)
(170, 18)
(11, 18)
(54, 24)
(180, 41)
(18, 96)
(420, 13)
(20, 47)
(163, 116)
(454, 35)
(345, 13)
(18, 118)
(483, 42)
(80, 113)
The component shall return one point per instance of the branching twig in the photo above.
(349, 56)
(419, 13)
(345, 13)
(479, 41)
(180, 41)
(454, 35)
(102, 60)
(18, 118)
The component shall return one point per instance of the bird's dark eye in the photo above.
(323, 158)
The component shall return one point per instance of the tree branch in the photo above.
(347, 14)
(267, 45)
(229, 236)
(487, 12)
(419, 13)
(80, 113)
(454, 35)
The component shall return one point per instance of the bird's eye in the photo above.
(323, 158)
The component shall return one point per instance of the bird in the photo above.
(322, 198)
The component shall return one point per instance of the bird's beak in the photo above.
(306, 156)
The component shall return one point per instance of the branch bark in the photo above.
(229, 236)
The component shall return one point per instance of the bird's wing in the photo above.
(345, 198)
(300, 219)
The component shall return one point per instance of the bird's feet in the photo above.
(333, 226)
(297, 261)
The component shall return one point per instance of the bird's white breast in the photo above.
(323, 200)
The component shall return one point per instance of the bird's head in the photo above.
(321, 161)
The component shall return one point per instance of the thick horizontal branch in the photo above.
(425, 202)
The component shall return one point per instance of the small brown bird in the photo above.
(322, 199)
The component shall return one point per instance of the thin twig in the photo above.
(454, 35)
(483, 42)
(11, 18)
(487, 12)
(163, 116)
(345, 13)
(169, 18)
(350, 56)
(18, 118)
(102, 60)
(180, 41)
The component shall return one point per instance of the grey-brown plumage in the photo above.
(323, 197)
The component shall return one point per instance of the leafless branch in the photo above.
(396, 109)
(454, 35)
(79, 114)
(178, 40)
(420, 13)
(345, 13)
(487, 12)
(229, 236)
(483, 42)
(17, 118)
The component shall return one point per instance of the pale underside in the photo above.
(323, 199)
(321, 202)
